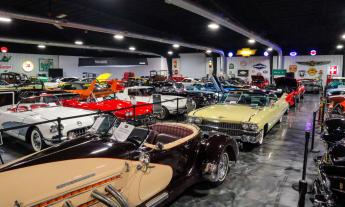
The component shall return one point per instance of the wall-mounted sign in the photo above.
(5, 58)
(265, 71)
(246, 52)
(259, 66)
(112, 62)
(4, 49)
(312, 71)
(28, 66)
(293, 68)
(243, 73)
(176, 65)
(314, 63)
(231, 66)
(6, 67)
(301, 73)
(243, 63)
(279, 72)
(333, 70)
(45, 64)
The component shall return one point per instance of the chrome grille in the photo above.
(232, 129)
(80, 131)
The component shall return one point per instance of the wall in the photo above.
(242, 63)
(71, 68)
(324, 61)
(17, 60)
(193, 65)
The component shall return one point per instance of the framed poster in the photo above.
(243, 73)
(45, 64)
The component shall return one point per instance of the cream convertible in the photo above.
(244, 115)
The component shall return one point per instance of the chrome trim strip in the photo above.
(103, 199)
(157, 200)
(117, 195)
(68, 204)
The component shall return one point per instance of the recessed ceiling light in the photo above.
(208, 51)
(266, 54)
(41, 46)
(5, 19)
(343, 36)
(270, 49)
(230, 54)
(78, 42)
(293, 54)
(170, 52)
(251, 41)
(119, 36)
(340, 47)
(61, 16)
(213, 26)
(131, 48)
(176, 46)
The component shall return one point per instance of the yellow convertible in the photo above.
(245, 115)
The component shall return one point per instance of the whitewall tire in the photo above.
(36, 140)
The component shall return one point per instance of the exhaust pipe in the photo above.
(103, 199)
(117, 195)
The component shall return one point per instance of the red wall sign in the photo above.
(333, 70)
(4, 49)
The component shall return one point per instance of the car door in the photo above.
(12, 119)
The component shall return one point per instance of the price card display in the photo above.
(122, 132)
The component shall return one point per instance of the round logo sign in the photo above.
(312, 71)
(28, 66)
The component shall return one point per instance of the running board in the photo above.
(157, 200)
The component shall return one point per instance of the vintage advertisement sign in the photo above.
(278, 72)
(259, 66)
(5, 66)
(243, 73)
(45, 64)
(28, 66)
(333, 70)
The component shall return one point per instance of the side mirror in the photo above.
(159, 146)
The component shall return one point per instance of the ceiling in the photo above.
(292, 24)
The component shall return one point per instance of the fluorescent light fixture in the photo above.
(266, 54)
(78, 42)
(119, 36)
(213, 26)
(41, 46)
(230, 54)
(339, 47)
(293, 54)
(208, 51)
(61, 16)
(176, 46)
(131, 48)
(269, 49)
(251, 41)
(5, 19)
(170, 52)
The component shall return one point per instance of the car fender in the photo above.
(217, 143)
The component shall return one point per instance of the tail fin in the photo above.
(116, 86)
(86, 93)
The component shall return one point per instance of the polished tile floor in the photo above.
(262, 177)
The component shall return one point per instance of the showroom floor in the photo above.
(262, 177)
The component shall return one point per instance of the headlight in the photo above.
(253, 127)
(71, 135)
(197, 120)
(245, 126)
(54, 128)
(190, 119)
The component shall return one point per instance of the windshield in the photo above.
(337, 83)
(40, 101)
(74, 86)
(141, 91)
(104, 124)
(247, 98)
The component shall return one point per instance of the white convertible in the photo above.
(42, 108)
(145, 94)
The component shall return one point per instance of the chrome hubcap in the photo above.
(36, 141)
(223, 167)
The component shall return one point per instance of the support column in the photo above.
(225, 65)
(169, 63)
(343, 69)
(280, 60)
(271, 69)
(214, 64)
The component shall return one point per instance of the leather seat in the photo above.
(166, 138)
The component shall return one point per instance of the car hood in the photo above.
(258, 78)
(220, 112)
(54, 112)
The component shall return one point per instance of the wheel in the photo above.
(222, 169)
(36, 140)
(164, 113)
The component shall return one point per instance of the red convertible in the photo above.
(292, 87)
(113, 104)
(259, 81)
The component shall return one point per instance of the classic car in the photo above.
(294, 89)
(259, 81)
(335, 82)
(55, 83)
(146, 167)
(245, 115)
(42, 108)
(198, 98)
(14, 78)
(145, 94)
(188, 81)
(312, 85)
(94, 89)
(141, 113)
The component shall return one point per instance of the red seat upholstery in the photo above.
(166, 133)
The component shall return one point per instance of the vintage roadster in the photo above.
(146, 167)
(42, 108)
(245, 115)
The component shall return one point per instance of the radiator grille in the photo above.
(80, 131)
(232, 129)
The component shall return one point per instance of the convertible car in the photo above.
(145, 94)
(147, 167)
(259, 81)
(142, 110)
(245, 115)
(42, 108)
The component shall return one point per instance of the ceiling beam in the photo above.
(64, 23)
(74, 46)
(191, 7)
